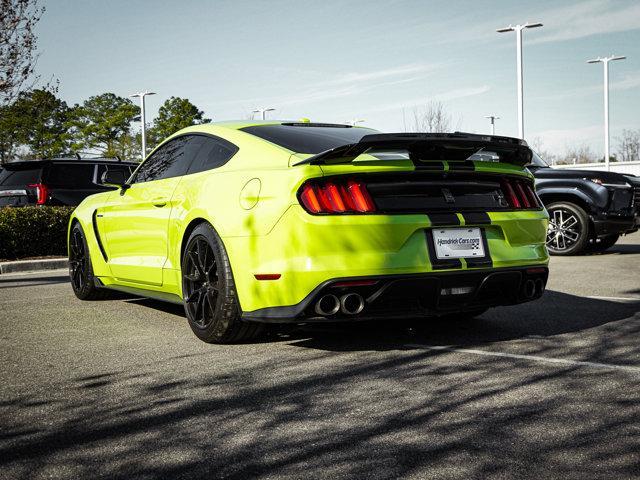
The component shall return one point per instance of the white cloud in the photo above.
(583, 19)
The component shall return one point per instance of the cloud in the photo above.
(627, 82)
(583, 19)
(438, 97)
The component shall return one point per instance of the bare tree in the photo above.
(629, 146)
(537, 145)
(578, 154)
(432, 118)
(18, 19)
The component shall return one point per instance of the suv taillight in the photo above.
(41, 193)
(519, 193)
(328, 196)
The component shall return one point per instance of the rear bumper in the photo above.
(406, 296)
(616, 225)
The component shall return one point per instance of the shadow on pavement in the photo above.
(354, 403)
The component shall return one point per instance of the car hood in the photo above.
(606, 177)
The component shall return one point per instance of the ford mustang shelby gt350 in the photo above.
(254, 222)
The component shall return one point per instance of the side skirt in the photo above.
(141, 292)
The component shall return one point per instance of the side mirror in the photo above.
(114, 178)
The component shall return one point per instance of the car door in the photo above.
(135, 220)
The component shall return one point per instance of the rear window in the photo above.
(301, 138)
(14, 178)
(70, 175)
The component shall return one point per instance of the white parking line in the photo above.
(532, 358)
(617, 299)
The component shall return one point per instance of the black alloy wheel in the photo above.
(200, 282)
(80, 267)
(209, 292)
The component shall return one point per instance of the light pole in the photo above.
(605, 62)
(143, 119)
(492, 119)
(263, 111)
(518, 29)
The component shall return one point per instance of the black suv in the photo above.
(588, 210)
(59, 181)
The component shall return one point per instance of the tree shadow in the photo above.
(352, 404)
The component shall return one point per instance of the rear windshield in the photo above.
(308, 139)
(14, 178)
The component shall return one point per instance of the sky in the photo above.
(372, 60)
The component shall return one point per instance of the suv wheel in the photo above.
(568, 229)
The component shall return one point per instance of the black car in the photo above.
(588, 210)
(59, 181)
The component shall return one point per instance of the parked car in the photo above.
(58, 181)
(588, 210)
(284, 222)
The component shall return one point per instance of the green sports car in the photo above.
(248, 223)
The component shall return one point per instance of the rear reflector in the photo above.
(267, 276)
(532, 271)
(320, 196)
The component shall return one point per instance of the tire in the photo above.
(568, 232)
(80, 268)
(209, 292)
(603, 243)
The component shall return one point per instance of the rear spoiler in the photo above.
(424, 147)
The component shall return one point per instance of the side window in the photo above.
(213, 153)
(103, 167)
(66, 175)
(171, 160)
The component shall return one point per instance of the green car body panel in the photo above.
(136, 236)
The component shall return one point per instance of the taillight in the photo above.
(349, 196)
(519, 193)
(41, 192)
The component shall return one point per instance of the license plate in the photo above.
(458, 242)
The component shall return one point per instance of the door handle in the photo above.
(159, 202)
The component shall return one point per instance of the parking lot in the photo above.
(122, 389)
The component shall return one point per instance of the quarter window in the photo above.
(212, 153)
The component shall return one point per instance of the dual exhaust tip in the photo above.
(348, 304)
(533, 288)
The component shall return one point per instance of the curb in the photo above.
(33, 265)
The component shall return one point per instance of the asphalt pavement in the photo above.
(122, 389)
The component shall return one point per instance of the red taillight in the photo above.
(41, 192)
(522, 195)
(510, 193)
(336, 197)
(519, 193)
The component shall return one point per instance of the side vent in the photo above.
(97, 234)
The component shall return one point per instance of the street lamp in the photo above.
(518, 29)
(263, 111)
(142, 119)
(605, 62)
(492, 119)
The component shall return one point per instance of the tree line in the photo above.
(38, 124)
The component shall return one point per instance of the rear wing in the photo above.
(425, 147)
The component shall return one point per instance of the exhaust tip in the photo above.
(327, 305)
(351, 303)
(529, 289)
